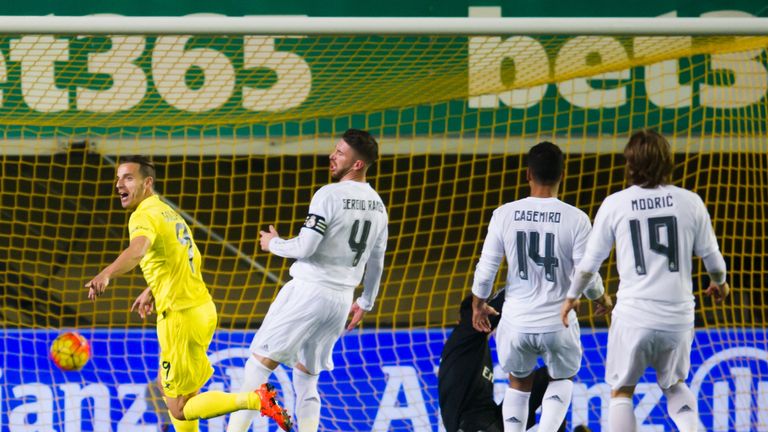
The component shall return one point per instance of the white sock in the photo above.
(307, 401)
(254, 376)
(515, 410)
(555, 405)
(621, 416)
(682, 407)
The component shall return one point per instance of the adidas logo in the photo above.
(513, 420)
(265, 347)
(684, 408)
(555, 398)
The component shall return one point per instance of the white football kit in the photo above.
(542, 240)
(657, 231)
(343, 241)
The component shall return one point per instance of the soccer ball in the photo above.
(70, 351)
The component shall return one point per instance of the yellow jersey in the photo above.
(171, 266)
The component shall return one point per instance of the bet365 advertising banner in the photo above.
(383, 381)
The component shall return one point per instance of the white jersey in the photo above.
(656, 231)
(542, 239)
(346, 226)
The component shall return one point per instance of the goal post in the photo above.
(240, 113)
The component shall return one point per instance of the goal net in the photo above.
(240, 127)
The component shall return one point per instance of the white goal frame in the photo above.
(281, 25)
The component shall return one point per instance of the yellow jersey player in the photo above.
(161, 243)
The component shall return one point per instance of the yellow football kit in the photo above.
(186, 315)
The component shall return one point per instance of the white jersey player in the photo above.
(342, 242)
(657, 228)
(542, 239)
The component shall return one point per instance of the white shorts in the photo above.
(302, 326)
(632, 349)
(518, 351)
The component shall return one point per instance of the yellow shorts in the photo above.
(184, 337)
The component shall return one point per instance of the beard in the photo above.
(339, 174)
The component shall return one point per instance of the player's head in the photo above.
(135, 180)
(649, 159)
(353, 154)
(546, 163)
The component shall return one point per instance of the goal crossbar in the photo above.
(272, 25)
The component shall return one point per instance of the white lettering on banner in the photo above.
(132, 419)
(405, 379)
(170, 63)
(98, 402)
(40, 408)
(294, 77)
(748, 86)
(485, 76)
(579, 91)
(750, 79)
(37, 54)
(582, 395)
(742, 379)
(129, 83)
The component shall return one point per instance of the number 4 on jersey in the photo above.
(358, 246)
(548, 261)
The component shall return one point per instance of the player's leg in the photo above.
(629, 353)
(256, 373)
(330, 310)
(621, 411)
(185, 368)
(562, 355)
(672, 362)
(277, 341)
(517, 356)
(307, 399)
(515, 406)
(541, 381)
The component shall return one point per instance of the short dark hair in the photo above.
(363, 143)
(649, 159)
(146, 167)
(546, 163)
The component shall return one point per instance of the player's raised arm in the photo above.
(125, 262)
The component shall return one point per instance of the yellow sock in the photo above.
(184, 425)
(215, 403)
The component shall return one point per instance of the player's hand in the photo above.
(481, 313)
(357, 313)
(568, 305)
(604, 305)
(266, 237)
(718, 292)
(97, 286)
(144, 304)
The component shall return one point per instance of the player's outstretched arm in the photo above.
(125, 262)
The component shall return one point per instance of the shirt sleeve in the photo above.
(140, 224)
(311, 233)
(598, 247)
(705, 242)
(600, 242)
(490, 259)
(373, 272)
(581, 238)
